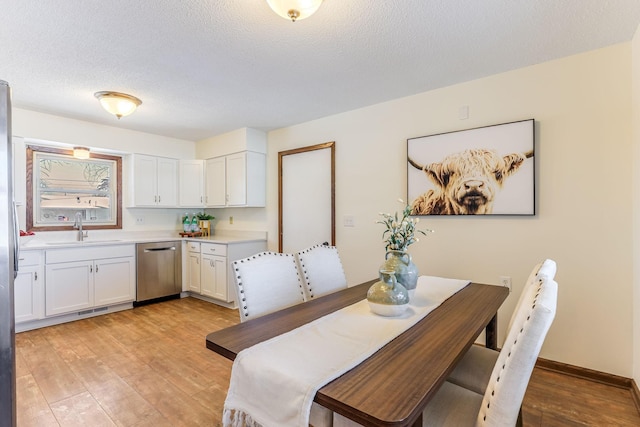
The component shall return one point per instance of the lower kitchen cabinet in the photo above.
(114, 281)
(214, 277)
(208, 271)
(97, 277)
(69, 287)
(193, 267)
(28, 289)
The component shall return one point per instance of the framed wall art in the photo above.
(482, 171)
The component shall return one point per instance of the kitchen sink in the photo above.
(84, 242)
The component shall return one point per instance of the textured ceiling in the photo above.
(206, 67)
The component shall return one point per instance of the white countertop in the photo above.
(67, 239)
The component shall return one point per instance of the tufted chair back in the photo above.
(546, 268)
(321, 270)
(266, 282)
(511, 373)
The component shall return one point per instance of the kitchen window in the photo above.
(59, 186)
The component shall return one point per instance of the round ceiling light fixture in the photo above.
(294, 9)
(118, 104)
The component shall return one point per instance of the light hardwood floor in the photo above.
(149, 367)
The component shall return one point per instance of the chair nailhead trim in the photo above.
(533, 306)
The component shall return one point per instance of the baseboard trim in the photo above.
(593, 375)
(635, 393)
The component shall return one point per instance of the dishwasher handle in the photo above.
(168, 248)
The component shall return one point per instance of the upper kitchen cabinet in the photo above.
(235, 171)
(191, 183)
(215, 183)
(236, 180)
(155, 181)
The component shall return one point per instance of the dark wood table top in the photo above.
(392, 387)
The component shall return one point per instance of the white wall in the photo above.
(585, 175)
(46, 127)
(582, 107)
(235, 219)
(635, 83)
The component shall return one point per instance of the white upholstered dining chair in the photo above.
(474, 370)
(266, 282)
(500, 404)
(321, 270)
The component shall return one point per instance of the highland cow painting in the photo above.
(482, 171)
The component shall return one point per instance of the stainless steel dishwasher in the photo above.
(159, 270)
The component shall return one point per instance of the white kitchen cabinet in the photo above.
(207, 265)
(214, 271)
(114, 281)
(79, 279)
(212, 275)
(193, 267)
(236, 180)
(28, 289)
(69, 287)
(191, 183)
(155, 181)
(216, 193)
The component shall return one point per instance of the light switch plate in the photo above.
(349, 221)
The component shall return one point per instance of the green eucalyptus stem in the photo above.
(400, 230)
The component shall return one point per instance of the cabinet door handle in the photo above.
(91, 269)
(200, 199)
(197, 261)
(211, 264)
(96, 268)
(35, 276)
(158, 199)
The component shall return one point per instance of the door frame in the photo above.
(331, 145)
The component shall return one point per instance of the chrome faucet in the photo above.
(78, 226)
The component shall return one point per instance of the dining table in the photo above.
(392, 386)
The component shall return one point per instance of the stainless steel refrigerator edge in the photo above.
(8, 265)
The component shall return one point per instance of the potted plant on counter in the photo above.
(204, 221)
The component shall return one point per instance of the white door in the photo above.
(69, 287)
(237, 179)
(145, 180)
(208, 278)
(221, 290)
(114, 280)
(191, 183)
(167, 182)
(307, 198)
(26, 294)
(215, 186)
(194, 274)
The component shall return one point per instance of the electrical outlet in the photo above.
(506, 282)
(463, 112)
(139, 220)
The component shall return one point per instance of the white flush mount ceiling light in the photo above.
(118, 104)
(294, 9)
(81, 152)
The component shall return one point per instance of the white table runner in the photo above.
(273, 383)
